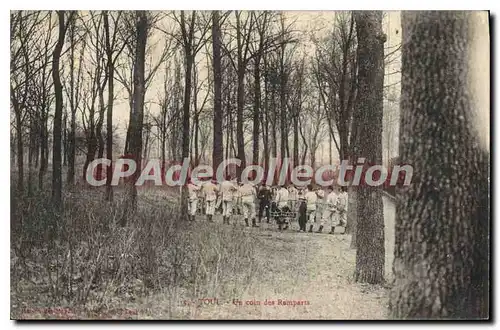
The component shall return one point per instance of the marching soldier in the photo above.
(320, 206)
(247, 192)
(209, 191)
(282, 201)
(342, 201)
(227, 190)
(238, 207)
(311, 200)
(302, 210)
(330, 211)
(264, 197)
(193, 199)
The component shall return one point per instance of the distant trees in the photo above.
(30, 84)
(263, 93)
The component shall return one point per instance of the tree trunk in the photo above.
(44, 154)
(136, 120)
(109, 114)
(188, 51)
(441, 262)
(20, 149)
(56, 148)
(240, 138)
(295, 140)
(70, 175)
(370, 253)
(218, 148)
(256, 111)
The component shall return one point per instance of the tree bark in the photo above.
(256, 110)
(441, 262)
(109, 114)
(370, 253)
(136, 120)
(56, 150)
(70, 176)
(218, 148)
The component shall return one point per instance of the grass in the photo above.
(81, 264)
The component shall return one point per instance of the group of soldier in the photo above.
(285, 203)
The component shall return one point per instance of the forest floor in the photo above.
(301, 276)
(285, 275)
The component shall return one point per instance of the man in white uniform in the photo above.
(227, 190)
(330, 211)
(237, 203)
(282, 201)
(342, 202)
(282, 197)
(311, 198)
(193, 199)
(248, 194)
(209, 191)
(320, 206)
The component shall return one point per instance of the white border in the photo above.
(198, 4)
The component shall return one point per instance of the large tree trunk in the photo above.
(296, 140)
(188, 52)
(240, 138)
(136, 120)
(56, 151)
(109, 115)
(20, 148)
(256, 110)
(70, 175)
(100, 138)
(370, 253)
(218, 148)
(44, 152)
(441, 262)
(282, 106)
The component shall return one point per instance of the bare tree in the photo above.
(113, 50)
(136, 120)
(73, 90)
(58, 91)
(218, 137)
(27, 63)
(370, 253)
(193, 38)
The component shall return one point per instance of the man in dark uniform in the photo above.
(302, 211)
(264, 197)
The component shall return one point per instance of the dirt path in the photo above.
(304, 276)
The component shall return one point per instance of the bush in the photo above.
(81, 258)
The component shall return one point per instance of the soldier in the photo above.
(264, 197)
(209, 191)
(302, 210)
(320, 206)
(248, 194)
(311, 200)
(238, 207)
(282, 201)
(293, 196)
(227, 190)
(330, 210)
(193, 199)
(342, 206)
